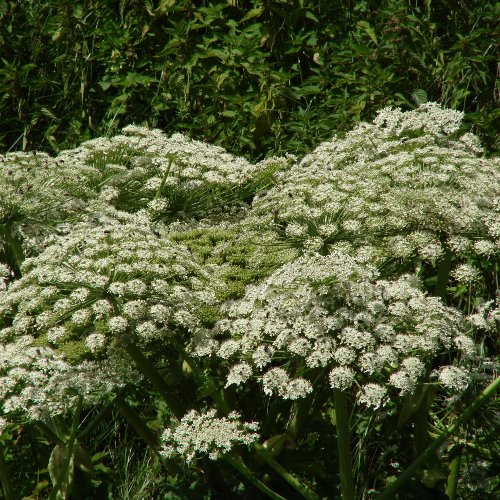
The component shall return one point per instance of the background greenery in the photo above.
(257, 76)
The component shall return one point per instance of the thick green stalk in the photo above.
(295, 483)
(157, 381)
(70, 451)
(432, 448)
(217, 396)
(45, 429)
(224, 408)
(245, 471)
(144, 432)
(344, 445)
(5, 478)
(451, 487)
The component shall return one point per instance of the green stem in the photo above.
(5, 477)
(15, 247)
(217, 396)
(443, 275)
(245, 471)
(163, 180)
(70, 450)
(344, 445)
(157, 381)
(431, 449)
(295, 483)
(224, 408)
(132, 417)
(421, 429)
(95, 421)
(451, 487)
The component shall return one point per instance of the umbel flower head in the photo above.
(109, 281)
(173, 177)
(33, 200)
(407, 185)
(334, 312)
(205, 433)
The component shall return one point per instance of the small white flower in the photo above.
(454, 378)
(239, 374)
(341, 378)
(117, 325)
(372, 395)
(95, 342)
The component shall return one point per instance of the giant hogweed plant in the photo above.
(145, 290)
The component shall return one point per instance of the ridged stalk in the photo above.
(406, 475)
(295, 483)
(223, 407)
(144, 432)
(443, 275)
(246, 472)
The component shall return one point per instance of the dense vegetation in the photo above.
(257, 77)
(294, 316)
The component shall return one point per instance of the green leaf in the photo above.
(57, 462)
(366, 27)
(257, 12)
(420, 96)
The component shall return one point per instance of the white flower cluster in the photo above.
(118, 273)
(144, 169)
(402, 186)
(110, 278)
(33, 198)
(36, 381)
(205, 433)
(334, 312)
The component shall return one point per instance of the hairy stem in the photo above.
(295, 483)
(451, 487)
(443, 275)
(144, 432)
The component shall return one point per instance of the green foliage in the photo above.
(252, 76)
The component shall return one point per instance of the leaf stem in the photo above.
(451, 487)
(157, 381)
(295, 483)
